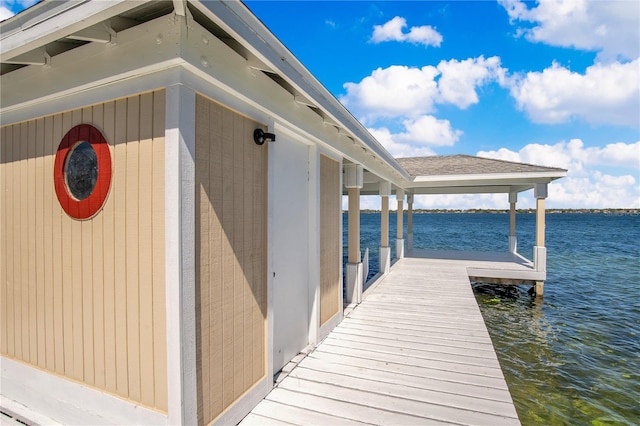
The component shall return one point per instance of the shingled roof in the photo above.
(466, 165)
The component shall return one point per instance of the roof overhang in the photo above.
(270, 54)
(111, 44)
(481, 183)
(25, 34)
(503, 183)
(33, 39)
(465, 174)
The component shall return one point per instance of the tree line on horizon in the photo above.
(631, 211)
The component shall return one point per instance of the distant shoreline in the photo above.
(525, 211)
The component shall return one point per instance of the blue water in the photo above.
(572, 356)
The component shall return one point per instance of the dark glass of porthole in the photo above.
(81, 170)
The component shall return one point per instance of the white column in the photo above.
(385, 250)
(180, 255)
(409, 222)
(353, 183)
(540, 251)
(400, 230)
(513, 240)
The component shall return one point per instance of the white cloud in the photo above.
(419, 136)
(617, 155)
(5, 13)
(405, 97)
(396, 148)
(393, 91)
(605, 94)
(610, 27)
(408, 91)
(459, 79)
(429, 131)
(393, 31)
(586, 185)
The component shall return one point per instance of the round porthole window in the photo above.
(82, 171)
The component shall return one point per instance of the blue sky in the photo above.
(554, 82)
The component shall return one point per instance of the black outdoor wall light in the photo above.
(260, 137)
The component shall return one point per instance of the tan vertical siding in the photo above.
(3, 247)
(132, 245)
(231, 208)
(87, 244)
(145, 259)
(47, 224)
(108, 261)
(41, 288)
(330, 232)
(158, 254)
(76, 265)
(8, 167)
(120, 255)
(86, 299)
(97, 275)
(56, 242)
(30, 213)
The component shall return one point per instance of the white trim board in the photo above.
(67, 401)
(179, 254)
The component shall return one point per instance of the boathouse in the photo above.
(170, 203)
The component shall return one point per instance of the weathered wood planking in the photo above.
(416, 351)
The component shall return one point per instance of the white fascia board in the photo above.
(55, 20)
(493, 189)
(235, 18)
(488, 178)
(371, 188)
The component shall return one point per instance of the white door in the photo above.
(290, 235)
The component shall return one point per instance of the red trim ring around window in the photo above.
(88, 207)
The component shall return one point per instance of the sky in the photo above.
(553, 83)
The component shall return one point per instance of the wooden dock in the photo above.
(493, 267)
(415, 351)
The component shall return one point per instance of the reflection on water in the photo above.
(573, 357)
(575, 368)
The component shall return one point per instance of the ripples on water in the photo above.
(573, 356)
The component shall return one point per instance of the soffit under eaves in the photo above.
(147, 11)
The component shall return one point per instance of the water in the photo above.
(573, 356)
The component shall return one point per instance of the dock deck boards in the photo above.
(415, 351)
(492, 266)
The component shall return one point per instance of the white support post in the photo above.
(353, 182)
(409, 222)
(180, 255)
(385, 250)
(540, 251)
(513, 240)
(400, 230)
